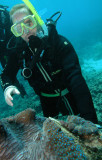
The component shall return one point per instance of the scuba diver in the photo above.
(7, 42)
(5, 34)
(49, 63)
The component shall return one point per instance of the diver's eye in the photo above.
(18, 28)
(28, 22)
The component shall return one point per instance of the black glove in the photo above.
(35, 42)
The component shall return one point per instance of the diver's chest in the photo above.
(47, 66)
(48, 70)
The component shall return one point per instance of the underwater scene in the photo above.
(28, 129)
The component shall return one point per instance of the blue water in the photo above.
(81, 20)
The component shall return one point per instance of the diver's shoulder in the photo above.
(64, 41)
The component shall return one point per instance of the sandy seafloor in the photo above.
(90, 58)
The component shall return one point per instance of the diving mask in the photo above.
(29, 22)
(40, 22)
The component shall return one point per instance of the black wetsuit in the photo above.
(56, 69)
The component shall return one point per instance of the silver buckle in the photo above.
(27, 73)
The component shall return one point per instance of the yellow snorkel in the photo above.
(38, 18)
(33, 10)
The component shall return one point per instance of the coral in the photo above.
(25, 117)
(80, 126)
(60, 143)
(27, 136)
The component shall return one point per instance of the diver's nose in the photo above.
(26, 30)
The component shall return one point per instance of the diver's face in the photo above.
(17, 17)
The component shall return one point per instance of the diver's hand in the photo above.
(9, 91)
(34, 42)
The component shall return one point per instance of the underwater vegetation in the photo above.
(27, 136)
